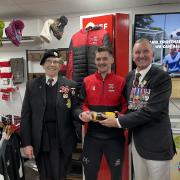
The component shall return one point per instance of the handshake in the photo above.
(99, 116)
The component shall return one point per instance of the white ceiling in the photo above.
(32, 8)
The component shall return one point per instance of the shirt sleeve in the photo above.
(123, 101)
(165, 60)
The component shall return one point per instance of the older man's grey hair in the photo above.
(144, 40)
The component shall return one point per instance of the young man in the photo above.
(102, 92)
(47, 127)
(148, 98)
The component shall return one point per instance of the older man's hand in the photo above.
(109, 122)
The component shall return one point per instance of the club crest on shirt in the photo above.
(111, 88)
(93, 88)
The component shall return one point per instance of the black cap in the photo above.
(49, 53)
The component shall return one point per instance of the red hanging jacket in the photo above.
(82, 49)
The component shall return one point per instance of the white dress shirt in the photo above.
(54, 80)
(143, 74)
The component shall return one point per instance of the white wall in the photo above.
(9, 51)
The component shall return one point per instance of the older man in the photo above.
(47, 126)
(148, 90)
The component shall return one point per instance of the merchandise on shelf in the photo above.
(6, 80)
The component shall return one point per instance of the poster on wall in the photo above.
(163, 30)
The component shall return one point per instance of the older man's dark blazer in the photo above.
(33, 109)
(151, 126)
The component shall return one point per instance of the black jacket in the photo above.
(82, 49)
(33, 109)
(151, 125)
(11, 164)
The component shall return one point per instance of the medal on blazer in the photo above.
(65, 96)
(143, 83)
(146, 94)
(64, 90)
(139, 96)
(73, 92)
(68, 104)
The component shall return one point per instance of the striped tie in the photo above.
(50, 81)
(136, 81)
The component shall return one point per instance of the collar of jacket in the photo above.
(90, 28)
(98, 75)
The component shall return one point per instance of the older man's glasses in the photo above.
(55, 62)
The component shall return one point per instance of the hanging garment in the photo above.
(82, 52)
(17, 69)
(14, 31)
(6, 80)
(11, 164)
(45, 34)
(58, 26)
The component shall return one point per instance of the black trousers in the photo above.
(94, 148)
(53, 165)
(52, 162)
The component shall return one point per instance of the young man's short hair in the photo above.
(103, 49)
